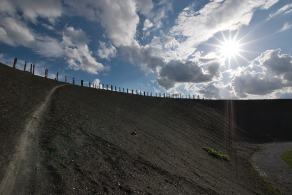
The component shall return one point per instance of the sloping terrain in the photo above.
(99, 142)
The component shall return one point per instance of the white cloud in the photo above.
(32, 9)
(119, 18)
(286, 9)
(195, 27)
(14, 32)
(95, 82)
(147, 24)
(286, 26)
(106, 51)
(269, 72)
(144, 6)
(77, 52)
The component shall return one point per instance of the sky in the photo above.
(217, 49)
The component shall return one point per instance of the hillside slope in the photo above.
(99, 142)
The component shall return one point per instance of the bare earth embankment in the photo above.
(99, 142)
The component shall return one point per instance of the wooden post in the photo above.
(14, 63)
(65, 79)
(33, 66)
(127, 90)
(57, 76)
(24, 68)
(89, 84)
(81, 83)
(46, 73)
(30, 70)
(132, 91)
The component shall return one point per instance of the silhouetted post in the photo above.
(73, 81)
(132, 91)
(89, 84)
(24, 68)
(198, 97)
(30, 70)
(46, 73)
(119, 89)
(81, 83)
(123, 90)
(127, 90)
(57, 76)
(33, 66)
(14, 62)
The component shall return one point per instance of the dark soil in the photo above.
(100, 142)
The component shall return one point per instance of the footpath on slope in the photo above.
(269, 164)
(25, 159)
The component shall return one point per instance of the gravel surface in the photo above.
(269, 163)
(92, 141)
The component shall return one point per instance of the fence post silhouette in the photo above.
(33, 66)
(132, 91)
(57, 76)
(24, 68)
(89, 84)
(73, 81)
(14, 62)
(46, 73)
(30, 70)
(81, 82)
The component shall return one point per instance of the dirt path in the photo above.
(25, 160)
(270, 165)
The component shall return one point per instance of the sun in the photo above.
(229, 48)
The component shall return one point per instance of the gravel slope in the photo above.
(99, 142)
(269, 163)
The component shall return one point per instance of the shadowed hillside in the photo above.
(100, 142)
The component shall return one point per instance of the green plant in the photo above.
(287, 157)
(216, 153)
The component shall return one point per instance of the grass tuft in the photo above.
(216, 153)
(287, 157)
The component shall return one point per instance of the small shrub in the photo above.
(217, 154)
(287, 157)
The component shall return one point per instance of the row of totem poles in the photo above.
(109, 87)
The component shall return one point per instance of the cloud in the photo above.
(14, 32)
(119, 18)
(106, 51)
(47, 46)
(187, 72)
(147, 24)
(95, 82)
(269, 72)
(285, 27)
(77, 53)
(144, 6)
(169, 73)
(286, 9)
(32, 9)
(195, 27)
